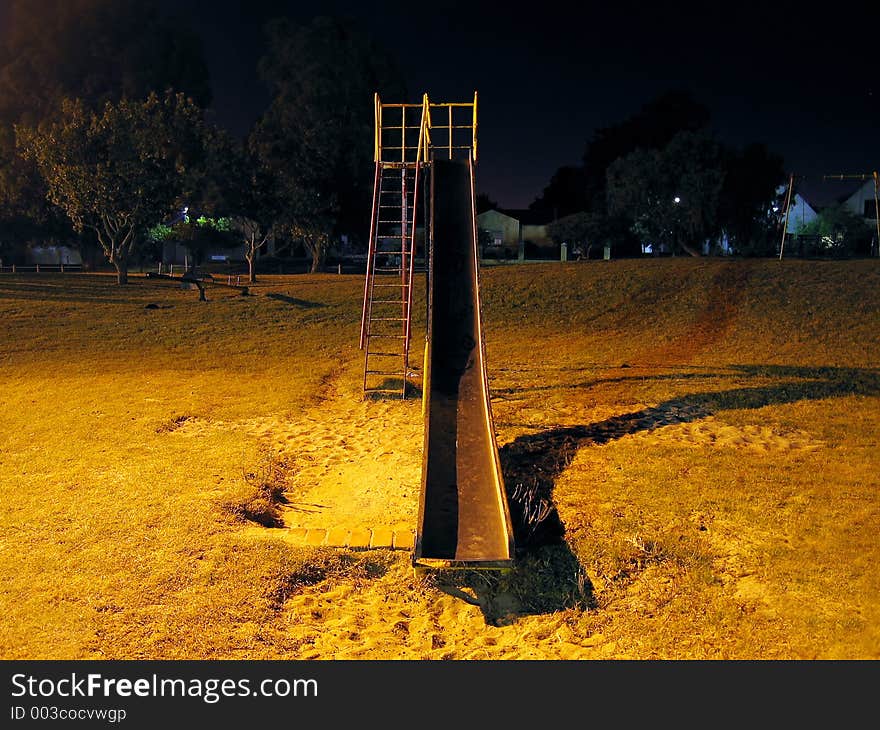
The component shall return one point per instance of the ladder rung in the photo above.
(387, 301)
(383, 372)
(387, 337)
(389, 286)
(385, 354)
(388, 319)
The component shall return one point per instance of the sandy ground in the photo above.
(356, 463)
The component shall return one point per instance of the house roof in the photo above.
(822, 193)
(523, 215)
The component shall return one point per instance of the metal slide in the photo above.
(464, 520)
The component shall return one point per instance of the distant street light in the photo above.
(676, 199)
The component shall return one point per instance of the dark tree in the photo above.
(484, 203)
(565, 195)
(316, 138)
(120, 171)
(839, 232)
(238, 185)
(671, 194)
(573, 189)
(752, 178)
(652, 128)
(92, 50)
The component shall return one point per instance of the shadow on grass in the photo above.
(81, 288)
(555, 386)
(547, 575)
(301, 303)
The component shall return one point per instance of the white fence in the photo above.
(40, 268)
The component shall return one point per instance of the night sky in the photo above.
(801, 81)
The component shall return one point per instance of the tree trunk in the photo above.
(121, 271)
(252, 274)
(319, 256)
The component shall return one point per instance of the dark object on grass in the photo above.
(191, 278)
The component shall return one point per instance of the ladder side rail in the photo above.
(371, 249)
(370, 295)
(376, 127)
(412, 254)
(403, 213)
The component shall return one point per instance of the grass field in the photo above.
(695, 440)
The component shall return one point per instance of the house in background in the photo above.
(800, 212)
(857, 196)
(862, 202)
(53, 255)
(814, 195)
(516, 234)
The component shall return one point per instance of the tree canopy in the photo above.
(565, 195)
(316, 135)
(583, 188)
(839, 232)
(119, 171)
(670, 194)
(632, 169)
(752, 178)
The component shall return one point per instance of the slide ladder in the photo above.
(386, 322)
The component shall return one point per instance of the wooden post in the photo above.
(450, 131)
(877, 208)
(787, 211)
